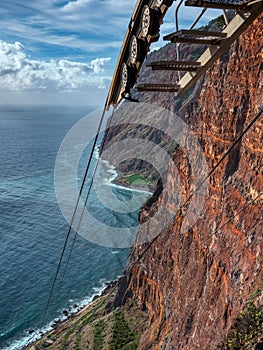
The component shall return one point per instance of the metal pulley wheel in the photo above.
(149, 21)
(124, 76)
(137, 50)
(127, 77)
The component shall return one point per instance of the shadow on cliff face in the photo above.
(150, 202)
(239, 114)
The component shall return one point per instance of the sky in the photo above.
(60, 52)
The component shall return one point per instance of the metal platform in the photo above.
(196, 37)
(158, 87)
(232, 31)
(174, 65)
(245, 12)
(222, 5)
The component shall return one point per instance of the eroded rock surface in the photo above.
(195, 280)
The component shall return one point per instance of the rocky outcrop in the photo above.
(194, 280)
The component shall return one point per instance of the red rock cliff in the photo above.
(193, 283)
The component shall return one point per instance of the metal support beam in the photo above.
(233, 30)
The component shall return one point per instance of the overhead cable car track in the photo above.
(144, 29)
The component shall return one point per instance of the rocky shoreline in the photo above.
(100, 325)
(45, 338)
(121, 181)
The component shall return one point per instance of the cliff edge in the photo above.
(194, 284)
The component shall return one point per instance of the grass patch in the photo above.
(66, 338)
(130, 179)
(98, 338)
(77, 342)
(76, 328)
(247, 329)
(123, 337)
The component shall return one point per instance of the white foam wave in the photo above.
(111, 169)
(76, 307)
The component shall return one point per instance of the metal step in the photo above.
(223, 5)
(158, 87)
(196, 37)
(233, 29)
(174, 65)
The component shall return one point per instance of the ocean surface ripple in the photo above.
(32, 228)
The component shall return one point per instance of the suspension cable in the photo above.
(73, 216)
(207, 177)
(87, 197)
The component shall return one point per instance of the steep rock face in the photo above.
(126, 121)
(123, 126)
(194, 280)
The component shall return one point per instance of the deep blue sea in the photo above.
(32, 228)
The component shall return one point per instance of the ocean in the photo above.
(33, 229)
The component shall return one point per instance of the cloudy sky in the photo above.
(63, 52)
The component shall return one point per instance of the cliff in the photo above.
(195, 282)
(194, 276)
(126, 122)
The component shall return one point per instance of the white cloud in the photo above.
(75, 5)
(19, 72)
(75, 30)
(98, 64)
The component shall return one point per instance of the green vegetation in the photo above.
(66, 338)
(93, 329)
(77, 342)
(98, 338)
(122, 336)
(247, 329)
(77, 326)
(130, 179)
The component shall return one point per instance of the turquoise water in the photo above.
(32, 228)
